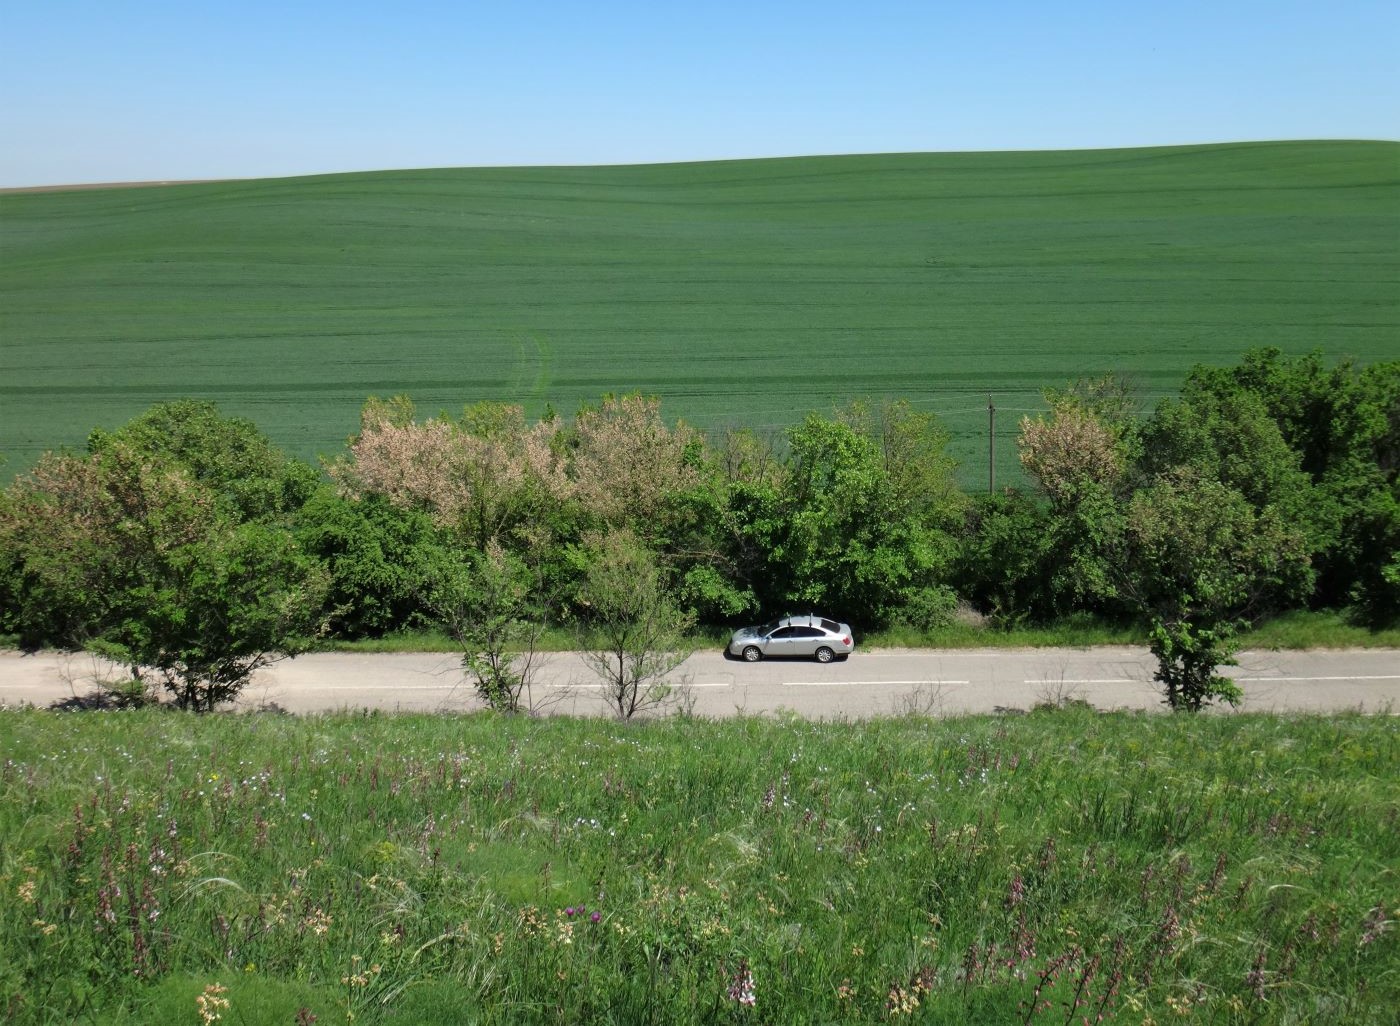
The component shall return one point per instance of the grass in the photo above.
(1293, 630)
(740, 292)
(474, 869)
(1326, 629)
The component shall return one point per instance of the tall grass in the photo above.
(1045, 868)
(739, 292)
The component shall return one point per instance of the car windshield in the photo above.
(770, 627)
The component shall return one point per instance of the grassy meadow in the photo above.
(1048, 868)
(745, 292)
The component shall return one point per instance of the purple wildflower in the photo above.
(741, 986)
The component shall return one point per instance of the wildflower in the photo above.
(1017, 892)
(318, 922)
(25, 892)
(901, 1001)
(1179, 1005)
(1169, 928)
(741, 985)
(212, 1003)
(595, 917)
(1375, 924)
(357, 977)
(1254, 979)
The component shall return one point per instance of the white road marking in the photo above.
(861, 683)
(599, 687)
(943, 653)
(1284, 680)
(293, 686)
(1242, 680)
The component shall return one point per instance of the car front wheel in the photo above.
(752, 654)
(825, 655)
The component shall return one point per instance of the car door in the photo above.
(806, 641)
(781, 642)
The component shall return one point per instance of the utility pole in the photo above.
(991, 447)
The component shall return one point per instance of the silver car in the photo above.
(794, 636)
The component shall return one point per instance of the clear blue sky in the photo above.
(125, 90)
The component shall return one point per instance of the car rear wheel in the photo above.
(825, 655)
(752, 654)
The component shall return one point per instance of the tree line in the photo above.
(186, 546)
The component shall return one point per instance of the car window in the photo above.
(770, 626)
(785, 632)
(808, 632)
(831, 625)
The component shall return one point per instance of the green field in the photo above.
(740, 292)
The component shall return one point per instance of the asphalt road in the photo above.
(870, 683)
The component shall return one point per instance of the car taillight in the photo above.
(846, 641)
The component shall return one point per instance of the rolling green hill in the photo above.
(740, 292)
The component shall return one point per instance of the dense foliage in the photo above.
(167, 548)
(187, 547)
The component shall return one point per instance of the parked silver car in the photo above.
(794, 636)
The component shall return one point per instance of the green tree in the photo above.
(229, 456)
(161, 550)
(1008, 562)
(1197, 560)
(373, 552)
(484, 601)
(57, 526)
(1081, 463)
(1165, 537)
(635, 634)
(1232, 439)
(741, 526)
(870, 514)
(1344, 424)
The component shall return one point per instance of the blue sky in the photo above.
(135, 90)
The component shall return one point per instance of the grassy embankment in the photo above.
(1294, 630)
(1036, 869)
(741, 292)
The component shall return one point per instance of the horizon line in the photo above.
(162, 182)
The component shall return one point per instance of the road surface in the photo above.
(870, 683)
